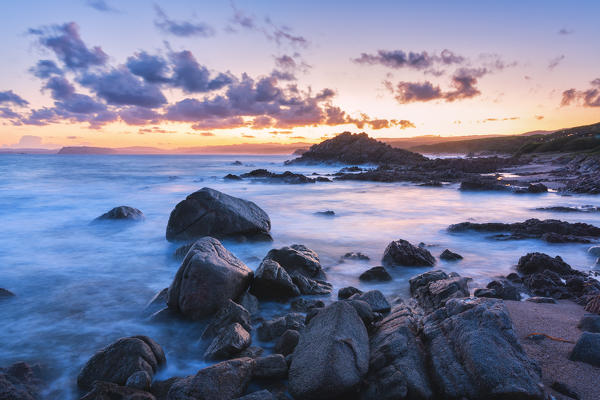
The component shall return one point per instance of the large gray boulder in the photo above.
(229, 314)
(587, 349)
(474, 353)
(332, 356)
(223, 381)
(433, 289)
(402, 253)
(272, 282)
(123, 358)
(208, 277)
(209, 212)
(397, 366)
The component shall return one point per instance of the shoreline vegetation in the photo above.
(447, 340)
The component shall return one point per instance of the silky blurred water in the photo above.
(80, 286)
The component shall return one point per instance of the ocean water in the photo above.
(79, 287)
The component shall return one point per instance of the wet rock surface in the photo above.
(550, 230)
(271, 281)
(433, 289)
(123, 358)
(111, 391)
(448, 255)
(229, 342)
(402, 253)
(208, 277)
(209, 212)
(285, 177)
(332, 355)
(377, 274)
(20, 381)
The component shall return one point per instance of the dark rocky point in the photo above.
(448, 255)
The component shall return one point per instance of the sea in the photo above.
(80, 286)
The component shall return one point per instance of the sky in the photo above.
(185, 73)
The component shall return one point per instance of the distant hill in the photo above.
(581, 138)
(86, 150)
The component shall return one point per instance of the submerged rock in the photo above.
(482, 184)
(223, 381)
(285, 177)
(402, 253)
(433, 289)
(375, 274)
(6, 294)
(123, 358)
(551, 230)
(209, 212)
(397, 366)
(232, 177)
(122, 213)
(474, 353)
(208, 277)
(332, 356)
(448, 255)
(355, 256)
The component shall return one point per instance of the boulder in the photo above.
(590, 323)
(547, 284)
(287, 342)
(272, 282)
(378, 274)
(209, 212)
(298, 259)
(121, 359)
(474, 353)
(347, 292)
(208, 277)
(332, 356)
(499, 289)
(111, 391)
(400, 252)
(311, 286)
(593, 305)
(355, 256)
(274, 328)
(587, 349)
(270, 367)
(229, 314)
(229, 342)
(122, 213)
(540, 262)
(397, 365)
(223, 381)
(364, 310)
(20, 381)
(375, 299)
(433, 289)
(448, 255)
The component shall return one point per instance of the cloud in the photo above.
(100, 5)
(152, 69)
(207, 134)
(538, 117)
(45, 69)
(181, 28)
(565, 31)
(65, 41)
(8, 96)
(587, 98)
(463, 82)
(139, 116)
(398, 59)
(121, 87)
(280, 34)
(553, 63)
(192, 77)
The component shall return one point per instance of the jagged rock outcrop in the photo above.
(402, 253)
(433, 289)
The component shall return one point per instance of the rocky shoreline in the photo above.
(446, 341)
